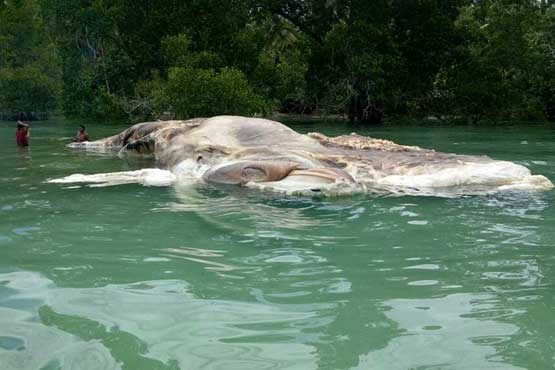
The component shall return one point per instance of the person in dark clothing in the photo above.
(22, 134)
(81, 135)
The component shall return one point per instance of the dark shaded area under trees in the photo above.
(466, 60)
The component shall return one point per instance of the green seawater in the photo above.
(138, 277)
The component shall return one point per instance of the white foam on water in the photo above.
(417, 222)
(423, 282)
(147, 177)
(156, 259)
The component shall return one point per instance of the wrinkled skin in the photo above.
(265, 154)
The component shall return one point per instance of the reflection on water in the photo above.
(202, 256)
(166, 323)
(30, 343)
(241, 211)
(430, 334)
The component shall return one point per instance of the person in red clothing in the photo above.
(22, 134)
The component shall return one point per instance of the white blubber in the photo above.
(497, 174)
(146, 176)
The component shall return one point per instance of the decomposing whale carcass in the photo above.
(264, 154)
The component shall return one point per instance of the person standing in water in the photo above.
(22, 134)
(81, 135)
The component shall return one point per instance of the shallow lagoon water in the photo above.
(139, 277)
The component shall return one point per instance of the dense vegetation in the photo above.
(366, 60)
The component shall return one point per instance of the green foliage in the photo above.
(500, 59)
(26, 89)
(282, 65)
(177, 53)
(194, 92)
(368, 60)
(29, 67)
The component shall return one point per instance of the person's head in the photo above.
(81, 128)
(22, 126)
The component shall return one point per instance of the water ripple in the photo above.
(436, 327)
(172, 324)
